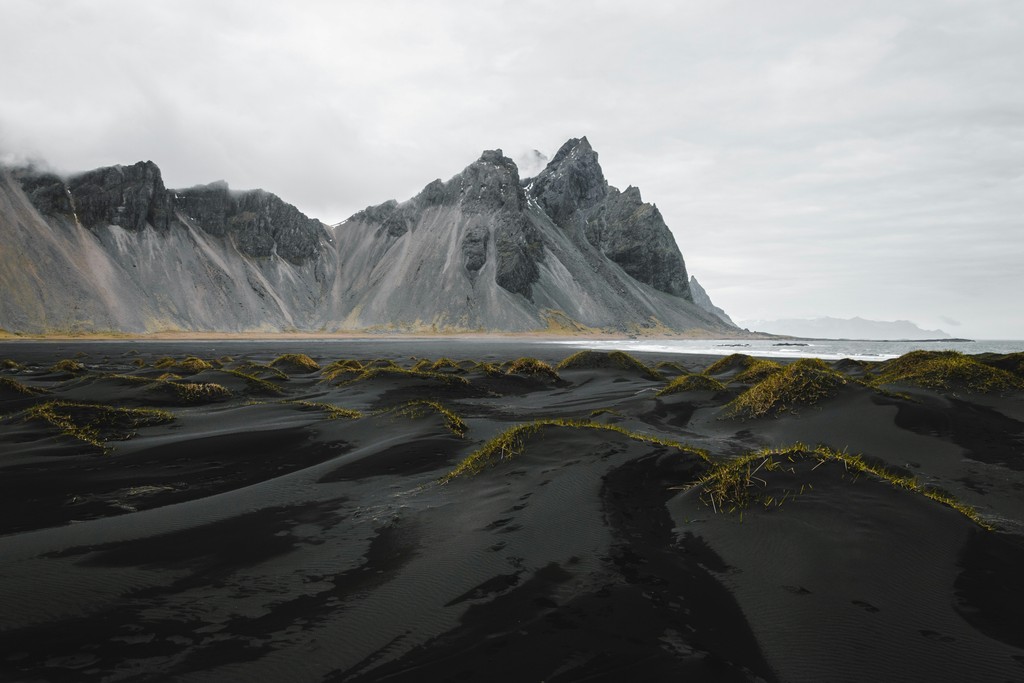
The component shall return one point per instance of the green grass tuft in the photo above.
(67, 365)
(531, 366)
(198, 392)
(616, 359)
(333, 412)
(191, 364)
(511, 442)
(758, 369)
(253, 381)
(737, 484)
(397, 372)
(341, 368)
(691, 383)
(452, 421)
(296, 362)
(804, 382)
(734, 361)
(13, 385)
(947, 370)
(95, 424)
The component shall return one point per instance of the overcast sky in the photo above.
(812, 158)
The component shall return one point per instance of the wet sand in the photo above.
(258, 535)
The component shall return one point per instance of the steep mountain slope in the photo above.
(701, 298)
(112, 249)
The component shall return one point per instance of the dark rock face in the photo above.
(257, 220)
(487, 193)
(634, 235)
(519, 249)
(474, 247)
(573, 191)
(573, 182)
(46, 191)
(490, 187)
(128, 196)
(134, 196)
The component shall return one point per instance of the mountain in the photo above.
(114, 250)
(701, 298)
(838, 328)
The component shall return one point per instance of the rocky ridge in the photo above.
(483, 251)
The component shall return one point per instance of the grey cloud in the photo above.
(811, 158)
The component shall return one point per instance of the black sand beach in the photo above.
(213, 511)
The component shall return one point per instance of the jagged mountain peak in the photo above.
(572, 182)
(482, 251)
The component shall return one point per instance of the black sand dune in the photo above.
(212, 511)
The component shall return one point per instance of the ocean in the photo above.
(826, 349)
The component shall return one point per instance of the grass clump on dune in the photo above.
(198, 392)
(67, 365)
(734, 361)
(691, 383)
(10, 364)
(804, 382)
(296, 362)
(333, 412)
(947, 370)
(397, 372)
(735, 485)
(757, 370)
(489, 369)
(439, 365)
(93, 423)
(341, 368)
(191, 364)
(531, 366)
(590, 360)
(14, 386)
(455, 424)
(253, 381)
(511, 443)
(256, 369)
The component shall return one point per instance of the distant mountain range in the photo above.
(839, 328)
(114, 250)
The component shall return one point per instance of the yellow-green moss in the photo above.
(757, 369)
(397, 372)
(254, 382)
(297, 362)
(734, 361)
(341, 368)
(190, 364)
(511, 442)
(489, 369)
(67, 365)
(256, 369)
(13, 385)
(333, 412)
(736, 484)
(95, 423)
(947, 370)
(615, 359)
(198, 392)
(452, 421)
(691, 383)
(802, 383)
(531, 366)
